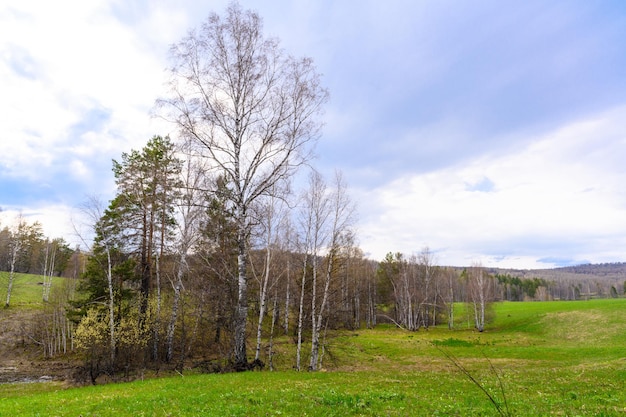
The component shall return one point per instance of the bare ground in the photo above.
(21, 359)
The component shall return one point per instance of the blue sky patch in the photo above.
(485, 185)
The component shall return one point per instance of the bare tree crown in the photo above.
(252, 107)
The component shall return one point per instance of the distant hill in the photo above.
(614, 272)
(575, 282)
(605, 270)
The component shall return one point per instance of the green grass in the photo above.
(27, 292)
(27, 289)
(553, 358)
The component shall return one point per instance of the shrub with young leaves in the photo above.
(134, 330)
(91, 334)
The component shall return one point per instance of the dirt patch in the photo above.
(20, 357)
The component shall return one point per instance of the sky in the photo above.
(491, 132)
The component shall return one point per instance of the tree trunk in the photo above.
(45, 271)
(317, 321)
(178, 285)
(241, 312)
(157, 314)
(301, 313)
(314, 336)
(48, 284)
(159, 256)
(146, 249)
(112, 342)
(270, 352)
(287, 299)
(14, 253)
(262, 300)
(450, 302)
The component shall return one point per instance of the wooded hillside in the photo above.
(574, 282)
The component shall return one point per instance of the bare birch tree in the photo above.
(271, 214)
(315, 214)
(427, 271)
(451, 277)
(333, 217)
(299, 326)
(308, 247)
(414, 286)
(480, 289)
(17, 239)
(288, 241)
(50, 258)
(254, 110)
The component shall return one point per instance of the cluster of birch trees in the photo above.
(194, 236)
(24, 249)
(163, 281)
(417, 293)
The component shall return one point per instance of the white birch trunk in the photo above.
(45, 271)
(287, 299)
(112, 343)
(241, 313)
(270, 352)
(301, 313)
(263, 298)
(17, 245)
(178, 285)
(317, 321)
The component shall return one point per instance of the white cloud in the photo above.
(565, 187)
(54, 220)
(60, 64)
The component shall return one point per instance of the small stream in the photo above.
(11, 375)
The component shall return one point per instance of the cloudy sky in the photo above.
(489, 131)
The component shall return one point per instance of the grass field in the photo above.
(27, 289)
(551, 358)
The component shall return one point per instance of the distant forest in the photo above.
(576, 282)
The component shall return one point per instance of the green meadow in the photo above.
(535, 358)
(27, 289)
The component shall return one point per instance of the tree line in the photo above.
(24, 249)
